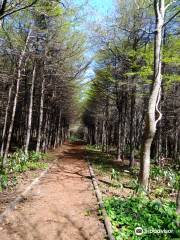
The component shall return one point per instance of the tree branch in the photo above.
(171, 18)
(3, 7)
(16, 10)
(158, 111)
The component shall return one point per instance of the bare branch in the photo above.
(5, 14)
(171, 18)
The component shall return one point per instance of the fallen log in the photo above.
(107, 222)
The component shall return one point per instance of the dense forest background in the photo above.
(117, 98)
(41, 58)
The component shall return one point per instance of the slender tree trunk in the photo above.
(103, 136)
(15, 98)
(59, 128)
(119, 137)
(30, 111)
(107, 126)
(124, 123)
(132, 127)
(41, 112)
(155, 95)
(44, 138)
(96, 133)
(5, 120)
(176, 142)
(62, 135)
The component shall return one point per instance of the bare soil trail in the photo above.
(62, 206)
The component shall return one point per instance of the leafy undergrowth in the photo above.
(75, 139)
(153, 216)
(102, 161)
(112, 177)
(164, 181)
(127, 210)
(17, 163)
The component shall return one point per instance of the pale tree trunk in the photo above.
(21, 59)
(30, 111)
(151, 122)
(119, 137)
(5, 120)
(41, 116)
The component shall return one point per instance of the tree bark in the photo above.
(30, 111)
(5, 120)
(41, 112)
(103, 135)
(119, 137)
(151, 122)
(132, 127)
(59, 128)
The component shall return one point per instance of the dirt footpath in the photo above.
(62, 206)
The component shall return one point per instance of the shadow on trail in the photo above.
(26, 230)
(106, 161)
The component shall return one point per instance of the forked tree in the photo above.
(153, 114)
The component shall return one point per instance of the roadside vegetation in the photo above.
(20, 162)
(127, 205)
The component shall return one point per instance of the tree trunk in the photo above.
(124, 124)
(44, 133)
(59, 128)
(30, 111)
(15, 98)
(119, 137)
(132, 127)
(41, 112)
(5, 120)
(154, 99)
(103, 136)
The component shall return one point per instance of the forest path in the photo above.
(62, 206)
